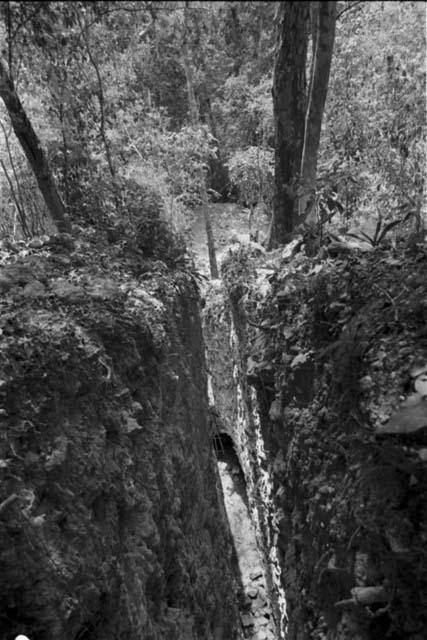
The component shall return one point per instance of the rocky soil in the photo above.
(256, 614)
(336, 348)
(111, 524)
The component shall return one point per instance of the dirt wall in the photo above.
(333, 347)
(111, 524)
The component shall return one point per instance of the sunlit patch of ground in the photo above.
(256, 617)
(228, 220)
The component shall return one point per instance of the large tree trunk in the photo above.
(323, 18)
(33, 150)
(194, 113)
(289, 115)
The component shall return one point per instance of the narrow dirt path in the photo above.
(256, 614)
(231, 222)
(227, 219)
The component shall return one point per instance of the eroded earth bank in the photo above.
(112, 524)
(319, 376)
(157, 483)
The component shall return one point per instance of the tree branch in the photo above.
(348, 8)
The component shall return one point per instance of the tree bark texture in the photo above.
(323, 18)
(289, 85)
(33, 150)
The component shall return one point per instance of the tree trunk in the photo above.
(289, 115)
(218, 178)
(251, 219)
(33, 151)
(194, 113)
(235, 36)
(101, 99)
(324, 18)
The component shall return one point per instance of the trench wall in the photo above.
(111, 521)
(327, 347)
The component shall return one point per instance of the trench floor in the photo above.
(256, 613)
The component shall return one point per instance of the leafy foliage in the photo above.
(104, 84)
(330, 363)
(373, 148)
(251, 172)
(153, 234)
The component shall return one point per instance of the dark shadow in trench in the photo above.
(225, 452)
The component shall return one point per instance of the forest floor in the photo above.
(228, 220)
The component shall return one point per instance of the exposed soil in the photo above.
(329, 344)
(256, 612)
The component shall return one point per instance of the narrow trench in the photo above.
(256, 613)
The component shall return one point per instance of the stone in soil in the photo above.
(255, 575)
(261, 621)
(260, 602)
(247, 620)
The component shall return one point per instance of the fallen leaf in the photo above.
(316, 269)
(34, 289)
(420, 384)
(418, 370)
(409, 419)
(275, 412)
(59, 454)
(130, 424)
(412, 400)
(301, 358)
(64, 289)
(103, 288)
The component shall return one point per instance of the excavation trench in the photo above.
(256, 613)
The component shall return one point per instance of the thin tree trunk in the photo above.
(20, 211)
(218, 173)
(101, 100)
(218, 178)
(194, 113)
(65, 154)
(259, 46)
(12, 164)
(252, 236)
(9, 38)
(102, 119)
(33, 151)
(261, 192)
(324, 18)
(236, 38)
(289, 114)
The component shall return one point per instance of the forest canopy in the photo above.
(173, 100)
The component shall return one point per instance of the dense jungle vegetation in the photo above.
(213, 270)
(164, 100)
